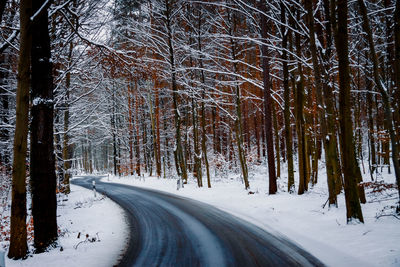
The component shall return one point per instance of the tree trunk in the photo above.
(67, 148)
(154, 134)
(396, 21)
(180, 164)
(286, 97)
(328, 129)
(114, 134)
(59, 152)
(203, 112)
(383, 91)
(385, 95)
(268, 102)
(42, 162)
(130, 124)
(277, 148)
(371, 130)
(18, 240)
(238, 108)
(320, 119)
(300, 123)
(197, 154)
(350, 164)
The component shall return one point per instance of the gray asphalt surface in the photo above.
(168, 230)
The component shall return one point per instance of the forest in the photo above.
(196, 90)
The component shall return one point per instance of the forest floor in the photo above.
(92, 233)
(304, 219)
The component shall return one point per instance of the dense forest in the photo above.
(197, 89)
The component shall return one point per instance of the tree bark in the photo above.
(277, 148)
(237, 95)
(383, 91)
(42, 162)
(320, 119)
(268, 102)
(137, 137)
(300, 123)
(350, 164)
(396, 20)
(286, 97)
(67, 148)
(180, 164)
(18, 239)
(371, 129)
(154, 134)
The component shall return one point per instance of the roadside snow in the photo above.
(99, 218)
(321, 231)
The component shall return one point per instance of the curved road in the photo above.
(168, 230)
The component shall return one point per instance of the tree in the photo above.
(397, 74)
(268, 103)
(18, 241)
(286, 93)
(42, 160)
(300, 122)
(350, 165)
(383, 91)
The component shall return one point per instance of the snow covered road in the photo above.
(167, 230)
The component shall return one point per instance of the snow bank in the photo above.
(102, 227)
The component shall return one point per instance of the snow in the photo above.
(321, 231)
(303, 219)
(99, 218)
(37, 101)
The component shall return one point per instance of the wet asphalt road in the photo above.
(168, 230)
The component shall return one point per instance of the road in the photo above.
(168, 230)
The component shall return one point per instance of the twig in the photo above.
(326, 202)
(387, 215)
(84, 241)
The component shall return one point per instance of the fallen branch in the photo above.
(387, 215)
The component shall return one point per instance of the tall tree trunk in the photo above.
(238, 105)
(396, 20)
(42, 162)
(18, 240)
(114, 134)
(59, 152)
(267, 102)
(157, 135)
(300, 123)
(180, 164)
(203, 109)
(371, 129)
(130, 124)
(286, 97)
(137, 136)
(330, 143)
(384, 92)
(257, 136)
(67, 148)
(350, 164)
(320, 120)
(154, 135)
(277, 148)
(197, 154)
